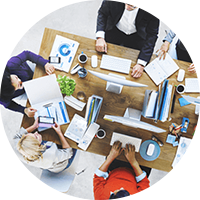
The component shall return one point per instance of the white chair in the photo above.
(63, 180)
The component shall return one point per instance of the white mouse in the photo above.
(150, 149)
(94, 61)
(75, 69)
(181, 74)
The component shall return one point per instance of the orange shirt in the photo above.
(118, 178)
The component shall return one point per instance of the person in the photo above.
(33, 151)
(181, 52)
(127, 25)
(121, 181)
(16, 72)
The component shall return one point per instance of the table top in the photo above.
(116, 104)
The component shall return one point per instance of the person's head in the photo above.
(30, 146)
(119, 194)
(130, 5)
(10, 83)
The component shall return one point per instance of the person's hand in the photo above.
(137, 71)
(30, 112)
(57, 128)
(36, 124)
(101, 45)
(116, 150)
(191, 68)
(163, 50)
(49, 68)
(129, 153)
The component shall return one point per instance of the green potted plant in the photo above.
(67, 85)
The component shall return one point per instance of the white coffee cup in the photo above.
(180, 89)
(101, 134)
(82, 58)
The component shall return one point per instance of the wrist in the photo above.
(110, 158)
(134, 164)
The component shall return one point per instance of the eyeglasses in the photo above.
(154, 138)
(130, 4)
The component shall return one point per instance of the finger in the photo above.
(105, 48)
(164, 56)
(119, 145)
(127, 147)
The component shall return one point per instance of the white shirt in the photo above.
(127, 21)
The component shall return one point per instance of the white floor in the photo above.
(64, 20)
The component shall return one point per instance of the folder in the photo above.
(93, 108)
(157, 104)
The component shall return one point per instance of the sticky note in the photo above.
(171, 138)
(183, 102)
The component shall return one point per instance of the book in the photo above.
(159, 70)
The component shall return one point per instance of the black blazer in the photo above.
(147, 25)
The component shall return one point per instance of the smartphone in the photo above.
(54, 59)
(46, 121)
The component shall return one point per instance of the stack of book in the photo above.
(157, 104)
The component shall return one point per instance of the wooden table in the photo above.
(116, 104)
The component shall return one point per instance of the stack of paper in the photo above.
(182, 147)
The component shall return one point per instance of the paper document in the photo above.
(88, 137)
(182, 147)
(76, 129)
(159, 70)
(66, 49)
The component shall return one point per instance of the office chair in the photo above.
(60, 182)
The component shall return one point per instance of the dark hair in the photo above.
(120, 194)
(7, 89)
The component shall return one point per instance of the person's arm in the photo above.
(147, 49)
(103, 14)
(15, 62)
(31, 128)
(191, 68)
(115, 151)
(166, 44)
(141, 178)
(130, 156)
(63, 141)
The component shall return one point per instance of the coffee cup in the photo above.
(82, 58)
(180, 89)
(101, 134)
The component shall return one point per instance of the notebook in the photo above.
(159, 70)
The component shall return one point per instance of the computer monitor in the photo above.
(133, 123)
(115, 82)
(195, 101)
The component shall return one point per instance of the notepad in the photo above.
(159, 70)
